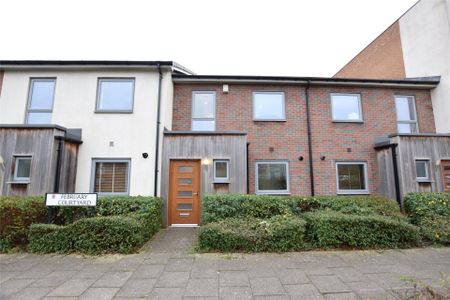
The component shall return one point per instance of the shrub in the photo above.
(335, 229)
(431, 212)
(123, 233)
(219, 207)
(16, 216)
(279, 233)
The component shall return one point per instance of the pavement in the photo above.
(168, 268)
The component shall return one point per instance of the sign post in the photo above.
(68, 199)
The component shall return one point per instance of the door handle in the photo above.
(196, 193)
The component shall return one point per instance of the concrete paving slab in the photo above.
(302, 291)
(13, 286)
(179, 265)
(329, 284)
(113, 279)
(72, 288)
(292, 276)
(235, 292)
(205, 287)
(137, 288)
(53, 279)
(148, 271)
(234, 278)
(99, 293)
(173, 279)
(266, 286)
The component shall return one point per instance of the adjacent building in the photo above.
(416, 45)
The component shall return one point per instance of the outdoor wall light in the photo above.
(145, 155)
(300, 158)
(322, 157)
(206, 161)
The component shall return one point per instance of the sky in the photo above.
(233, 37)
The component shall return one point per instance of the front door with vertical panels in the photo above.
(184, 192)
(445, 165)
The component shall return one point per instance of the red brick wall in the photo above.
(383, 58)
(289, 139)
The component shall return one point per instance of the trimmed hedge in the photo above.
(279, 233)
(336, 229)
(219, 207)
(16, 216)
(431, 212)
(135, 222)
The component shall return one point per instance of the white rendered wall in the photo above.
(74, 107)
(425, 36)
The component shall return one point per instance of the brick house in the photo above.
(154, 128)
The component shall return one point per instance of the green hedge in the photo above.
(136, 220)
(336, 229)
(431, 212)
(219, 207)
(279, 233)
(16, 216)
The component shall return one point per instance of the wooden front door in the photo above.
(184, 192)
(445, 169)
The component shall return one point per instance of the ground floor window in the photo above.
(422, 172)
(22, 168)
(351, 177)
(221, 170)
(111, 176)
(272, 177)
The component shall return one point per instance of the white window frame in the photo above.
(255, 118)
(17, 159)
(352, 192)
(222, 179)
(272, 192)
(359, 120)
(110, 160)
(99, 91)
(427, 169)
(415, 121)
(30, 95)
(193, 109)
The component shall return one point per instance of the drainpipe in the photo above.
(396, 177)
(310, 152)
(248, 177)
(158, 124)
(50, 210)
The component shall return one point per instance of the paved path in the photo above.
(167, 268)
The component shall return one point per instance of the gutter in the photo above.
(310, 152)
(158, 125)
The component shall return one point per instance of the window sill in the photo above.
(221, 182)
(348, 121)
(19, 182)
(269, 120)
(273, 193)
(113, 111)
(353, 193)
(424, 180)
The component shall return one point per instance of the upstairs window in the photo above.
(346, 108)
(40, 101)
(268, 106)
(111, 176)
(115, 95)
(22, 168)
(203, 111)
(406, 114)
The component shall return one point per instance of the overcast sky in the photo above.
(241, 37)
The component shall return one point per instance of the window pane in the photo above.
(111, 177)
(42, 94)
(39, 118)
(198, 125)
(203, 105)
(23, 168)
(184, 206)
(184, 194)
(346, 107)
(268, 106)
(221, 169)
(421, 169)
(116, 95)
(185, 169)
(272, 177)
(185, 181)
(406, 128)
(405, 108)
(351, 177)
